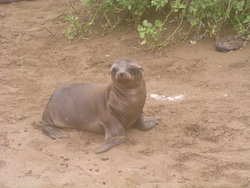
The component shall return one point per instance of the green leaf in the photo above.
(158, 23)
(159, 3)
(149, 25)
(193, 22)
(71, 36)
(143, 42)
(145, 22)
(89, 23)
(67, 18)
(150, 30)
(142, 35)
(140, 28)
(247, 20)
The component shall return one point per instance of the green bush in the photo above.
(150, 34)
(206, 16)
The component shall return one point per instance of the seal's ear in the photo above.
(110, 68)
(137, 66)
(140, 68)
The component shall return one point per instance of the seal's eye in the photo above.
(114, 69)
(132, 69)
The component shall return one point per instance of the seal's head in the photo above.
(126, 73)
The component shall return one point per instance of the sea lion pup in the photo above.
(98, 108)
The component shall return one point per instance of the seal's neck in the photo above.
(139, 89)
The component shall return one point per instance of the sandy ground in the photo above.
(201, 141)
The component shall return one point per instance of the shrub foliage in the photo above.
(207, 16)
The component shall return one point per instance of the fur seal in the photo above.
(99, 108)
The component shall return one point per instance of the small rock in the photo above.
(25, 129)
(182, 180)
(104, 158)
(229, 44)
(29, 172)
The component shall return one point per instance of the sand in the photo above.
(202, 140)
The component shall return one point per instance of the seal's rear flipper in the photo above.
(53, 132)
(110, 143)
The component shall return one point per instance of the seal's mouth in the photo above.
(123, 77)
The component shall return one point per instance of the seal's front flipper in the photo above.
(149, 124)
(146, 125)
(110, 143)
(53, 132)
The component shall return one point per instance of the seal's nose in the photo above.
(121, 74)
